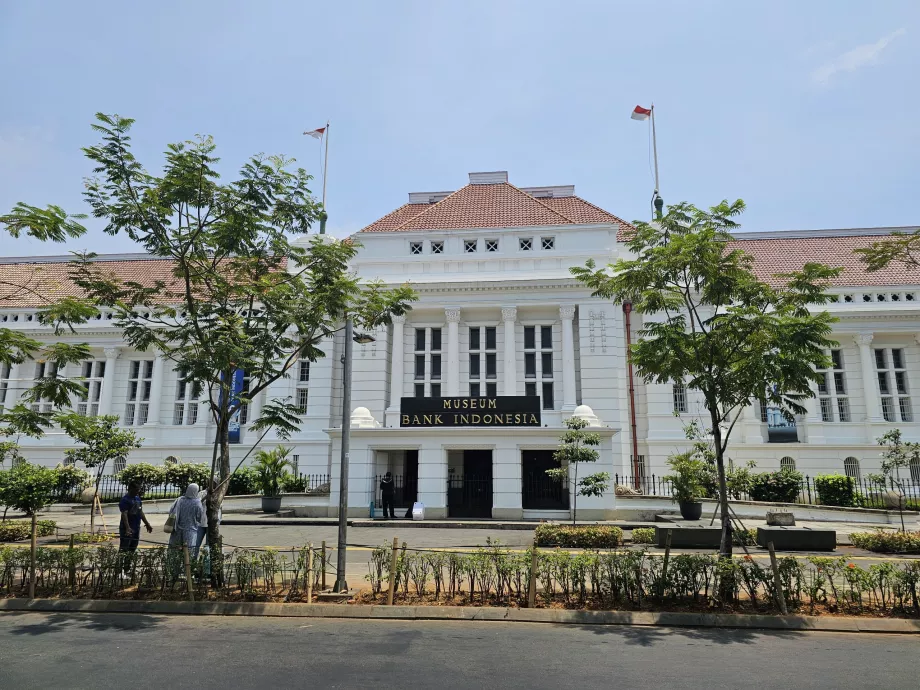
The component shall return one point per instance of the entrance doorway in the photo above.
(469, 493)
(539, 490)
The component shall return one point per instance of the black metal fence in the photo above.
(858, 492)
(544, 493)
(405, 490)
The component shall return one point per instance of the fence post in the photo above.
(188, 571)
(323, 576)
(532, 585)
(777, 582)
(808, 487)
(664, 567)
(71, 569)
(310, 573)
(392, 589)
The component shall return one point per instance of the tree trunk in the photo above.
(575, 497)
(92, 510)
(215, 500)
(32, 555)
(725, 547)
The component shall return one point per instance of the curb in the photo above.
(457, 613)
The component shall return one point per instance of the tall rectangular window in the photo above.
(44, 370)
(92, 374)
(302, 389)
(892, 385)
(679, 393)
(185, 408)
(6, 386)
(483, 342)
(832, 391)
(140, 381)
(427, 358)
(538, 363)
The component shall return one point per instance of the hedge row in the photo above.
(20, 530)
(887, 541)
(578, 536)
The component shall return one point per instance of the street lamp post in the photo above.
(363, 339)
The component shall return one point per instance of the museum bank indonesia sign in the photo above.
(504, 410)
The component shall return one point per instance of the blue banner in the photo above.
(236, 387)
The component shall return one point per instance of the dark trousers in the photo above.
(388, 505)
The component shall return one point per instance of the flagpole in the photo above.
(656, 198)
(326, 161)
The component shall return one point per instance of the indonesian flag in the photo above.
(640, 113)
(317, 133)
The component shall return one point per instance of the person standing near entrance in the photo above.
(387, 492)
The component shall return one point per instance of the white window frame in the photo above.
(525, 244)
(470, 246)
(679, 397)
(437, 247)
(140, 383)
(93, 374)
(483, 384)
(416, 248)
(787, 462)
(44, 369)
(185, 408)
(540, 382)
(302, 387)
(548, 243)
(851, 471)
(492, 245)
(833, 396)
(893, 386)
(428, 383)
(6, 384)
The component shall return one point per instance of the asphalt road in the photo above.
(140, 651)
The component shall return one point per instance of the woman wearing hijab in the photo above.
(189, 514)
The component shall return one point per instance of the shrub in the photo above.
(144, 474)
(243, 482)
(835, 490)
(578, 536)
(776, 487)
(643, 535)
(181, 474)
(887, 541)
(19, 530)
(71, 480)
(295, 484)
(744, 537)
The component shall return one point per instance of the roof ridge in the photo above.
(432, 206)
(395, 210)
(546, 206)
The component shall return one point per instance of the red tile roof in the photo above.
(500, 205)
(782, 255)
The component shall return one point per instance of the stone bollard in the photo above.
(780, 518)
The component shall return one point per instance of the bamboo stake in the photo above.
(667, 557)
(32, 559)
(324, 561)
(72, 569)
(777, 582)
(392, 572)
(310, 573)
(188, 572)
(532, 584)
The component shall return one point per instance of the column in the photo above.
(870, 381)
(108, 381)
(397, 362)
(14, 386)
(156, 392)
(255, 407)
(509, 316)
(452, 315)
(567, 314)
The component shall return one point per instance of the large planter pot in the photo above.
(692, 510)
(894, 500)
(271, 504)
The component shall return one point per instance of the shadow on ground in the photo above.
(61, 622)
(649, 636)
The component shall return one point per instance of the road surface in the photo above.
(141, 651)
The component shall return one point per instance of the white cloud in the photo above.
(857, 58)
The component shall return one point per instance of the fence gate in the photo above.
(470, 495)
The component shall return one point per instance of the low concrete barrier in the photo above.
(797, 538)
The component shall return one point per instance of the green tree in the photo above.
(900, 248)
(102, 441)
(30, 488)
(273, 467)
(710, 321)
(579, 446)
(897, 454)
(242, 296)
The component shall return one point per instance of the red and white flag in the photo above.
(317, 133)
(641, 113)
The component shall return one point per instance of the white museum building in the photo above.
(464, 398)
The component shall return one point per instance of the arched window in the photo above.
(851, 468)
(787, 463)
(69, 461)
(119, 464)
(171, 460)
(915, 470)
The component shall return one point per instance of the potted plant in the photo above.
(687, 483)
(272, 467)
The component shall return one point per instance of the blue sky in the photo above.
(807, 110)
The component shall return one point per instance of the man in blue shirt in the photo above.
(132, 512)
